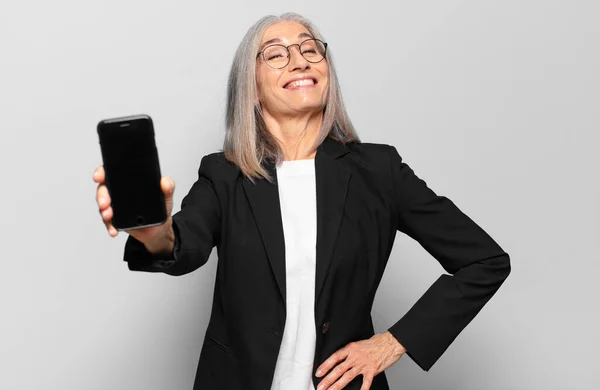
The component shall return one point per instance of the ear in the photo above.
(256, 101)
(256, 92)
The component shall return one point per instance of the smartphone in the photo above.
(132, 172)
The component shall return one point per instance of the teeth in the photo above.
(299, 83)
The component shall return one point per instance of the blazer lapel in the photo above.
(332, 186)
(264, 202)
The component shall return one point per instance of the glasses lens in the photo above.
(313, 50)
(276, 56)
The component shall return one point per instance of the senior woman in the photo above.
(304, 216)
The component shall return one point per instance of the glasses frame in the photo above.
(290, 54)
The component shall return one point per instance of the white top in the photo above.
(298, 199)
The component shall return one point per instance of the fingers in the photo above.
(167, 185)
(102, 197)
(367, 382)
(107, 215)
(99, 174)
(341, 375)
(331, 361)
(348, 376)
(105, 209)
(103, 200)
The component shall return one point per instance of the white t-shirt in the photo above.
(298, 199)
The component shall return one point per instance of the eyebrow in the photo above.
(277, 40)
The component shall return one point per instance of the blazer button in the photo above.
(325, 327)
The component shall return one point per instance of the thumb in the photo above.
(168, 186)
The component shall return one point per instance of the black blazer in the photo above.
(365, 194)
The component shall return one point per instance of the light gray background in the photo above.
(493, 103)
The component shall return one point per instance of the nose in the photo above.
(297, 60)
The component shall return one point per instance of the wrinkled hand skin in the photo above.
(365, 357)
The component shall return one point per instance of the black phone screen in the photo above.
(132, 172)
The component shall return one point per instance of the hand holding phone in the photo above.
(104, 206)
(131, 194)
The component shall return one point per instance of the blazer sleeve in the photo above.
(196, 227)
(476, 264)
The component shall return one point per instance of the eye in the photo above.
(275, 53)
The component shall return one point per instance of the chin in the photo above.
(308, 104)
(309, 108)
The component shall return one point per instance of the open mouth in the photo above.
(303, 83)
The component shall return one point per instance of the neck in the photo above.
(295, 135)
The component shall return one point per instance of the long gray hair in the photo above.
(247, 141)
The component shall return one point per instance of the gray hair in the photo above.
(247, 141)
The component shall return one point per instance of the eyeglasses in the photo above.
(278, 56)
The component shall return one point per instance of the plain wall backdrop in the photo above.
(495, 104)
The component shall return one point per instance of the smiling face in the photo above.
(298, 88)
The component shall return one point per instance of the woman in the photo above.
(304, 217)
